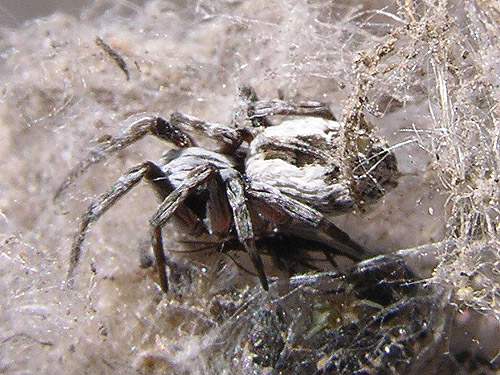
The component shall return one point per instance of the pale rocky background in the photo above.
(424, 73)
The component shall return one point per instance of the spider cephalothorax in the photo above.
(264, 181)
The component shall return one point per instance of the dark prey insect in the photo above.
(264, 180)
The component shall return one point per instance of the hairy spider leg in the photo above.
(243, 113)
(256, 108)
(235, 194)
(228, 139)
(167, 208)
(255, 112)
(263, 108)
(243, 224)
(154, 125)
(313, 218)
(151, 173)
(236, 198)
(124, 184)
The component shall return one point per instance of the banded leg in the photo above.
(243, 224)
(140, 127)
(255, 110)
(151, 173)
(228, 138)
(168, 208)
(243, 117)
(264, 108)
(99, 207)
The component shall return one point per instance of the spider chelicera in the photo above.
(264, 181)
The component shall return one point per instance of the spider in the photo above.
(263, 181)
